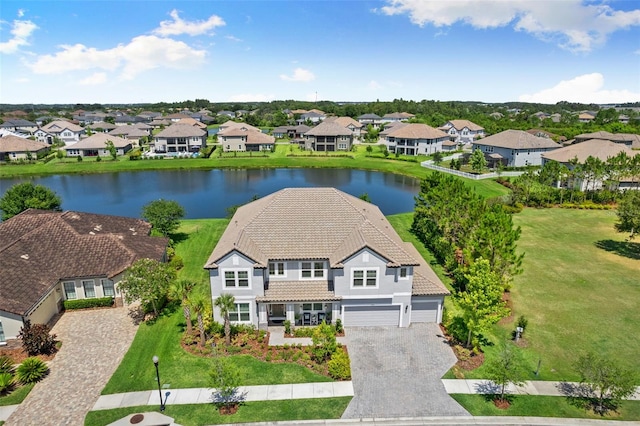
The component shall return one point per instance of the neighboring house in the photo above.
(280, 132)
(354, 126)
(575, 154)
(229, 114)
(462, 132)
(312, 254)
(67, 132)
(586, 117)
(49, 257)
(243, 139)
(20, 126)
(148, 116)
(44, 137)
(545, 134)
(311, 116)
(13, 148)
(102, 126)
(174, 118)
(192, 122)
(374, 119)
(96, 146)
(496, 115)
(160, 122)
(556, 118)
(397, 116)
(328, 136)
(414, 139)
(515, 148)
(126, 120)
(227, 125)
(541, 115)
(180, 138)
(131, 133)
(629, 139)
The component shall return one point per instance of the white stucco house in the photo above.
(414, 139)
(462, 132)
(96, 146)
(180, 138)
(515, 148)
(313, 254)
(67, 132)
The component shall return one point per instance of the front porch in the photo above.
(298, 313)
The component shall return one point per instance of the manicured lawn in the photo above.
(542, 406)
(579, 291)
(17, 396)
(258, 411)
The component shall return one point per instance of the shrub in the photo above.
(6, 365)
(98, 159)
(36, 339)
(522, 322)
(31, 370)
(79, 158)
(135, 155)
(339, 366)
(324, 342)
(339, 328)
(88, 303)
(7, 383)
(177, 262)
(287, 327)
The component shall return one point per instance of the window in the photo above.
(403, 273)
(342, 146)
(89, 289)
(69, 290)
(311, 269)
(364, 278)
(312, 307)
(1, 333)
(236, 279)
(240, 312)
(107, 288)
(276, 269)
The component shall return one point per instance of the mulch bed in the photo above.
(502, 404)
(17, 354)
(467, 359)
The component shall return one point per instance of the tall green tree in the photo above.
(113, 151)
(477, 160)
(481, 302)
(629, 214)
(506, 368)
(148, 281)
(181, 290)
(164, 215)
(226, 303)
(23, 196)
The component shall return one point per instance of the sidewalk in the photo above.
(484, 386)
(203, 395)
(276, 338)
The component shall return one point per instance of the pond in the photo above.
(208, 193)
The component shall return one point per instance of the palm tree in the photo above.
(226, 303)
(198, 305)
(181, 290)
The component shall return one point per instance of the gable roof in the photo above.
(181, 130)
(461, 124)
(99, 141)
(59, 125)
(345, 121)
(369, 116)
(328, 128)
(252, 137)
(39, 248)
(415, 131)
(11, 143)
(516, 139)
(597, 148)
(627, 138)
(192, 122)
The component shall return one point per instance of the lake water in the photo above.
(208, 193)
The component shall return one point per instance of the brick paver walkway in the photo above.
(93, 344)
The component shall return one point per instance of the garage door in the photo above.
(371, 315)
(424, 312)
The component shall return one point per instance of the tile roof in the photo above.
(425, 280)
(597, 148)
(59, 125)
(516, 139)
(330, 128)
(99, 141)
(631, 138)
(415, 131)
(252, 137)
(11, 143)
(181, 130)
(298, 291)
(461, 124)
(345, 121)
(192, 122)
(39, 248)
(369, 117)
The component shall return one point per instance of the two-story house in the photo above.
(414, 139)
(67, 132)
(313, 254)
(328, 136)
(355, 127)
(515, 148)
(462, 132)
(243, 139)
(180, 138)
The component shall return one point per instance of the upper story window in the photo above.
(403, 273)
(312, 270)
(276, 269)
(236, 278)
(364, 277)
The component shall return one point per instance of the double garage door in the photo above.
(371, 315)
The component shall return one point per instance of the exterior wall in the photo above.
(188, 144)
(231, 143)
(516, 157)
(47, 308)
(414, 146)
(11, 325)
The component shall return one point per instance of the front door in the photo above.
(277, 313)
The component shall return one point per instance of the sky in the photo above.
(136, 51)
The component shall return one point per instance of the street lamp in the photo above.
(155, 362)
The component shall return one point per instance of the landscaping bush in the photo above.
(339, 328)
(7, 383)
(31, 370)
(324, 342)
(88, 303)
(36, 339)
(6, 365)
(522, 323)
(135, 155)
(287, 327)
(339, 366)
(177, 262)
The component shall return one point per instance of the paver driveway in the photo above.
(93, 344)
(396, 372)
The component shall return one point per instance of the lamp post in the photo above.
(155, 362)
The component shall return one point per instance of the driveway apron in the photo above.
(93, 344)
(396, 372)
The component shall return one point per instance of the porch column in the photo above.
(335, 312)
(291, 314)
(262, 313)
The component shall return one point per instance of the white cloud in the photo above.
(574, 24)
(94, 79)
(142, 53)
(21, 30)
(587, 88)
(252, 97)
(179, 26)
(232, 38)
(20, 13)
(299, 74)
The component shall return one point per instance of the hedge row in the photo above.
(88, 303)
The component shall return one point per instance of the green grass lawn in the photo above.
(258, 411)
(17, 396)
(579, 290)
(542, 406)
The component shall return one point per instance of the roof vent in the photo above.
(98, 228)
(92, 233)
(132, 229)
(25, 256)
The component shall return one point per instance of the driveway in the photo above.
(93, 344)
(396, 372)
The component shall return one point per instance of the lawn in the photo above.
(17, 396)
(542, 406)
(579, 291)
(258, 411)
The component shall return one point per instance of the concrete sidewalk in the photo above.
(484, 387)
(203, 395)
(6, 411)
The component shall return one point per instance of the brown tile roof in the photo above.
(59, 125)
(461, 124)
(516, 139)
(228, 125)
(253, 137)
(298, 291)
(311, 223)
(192, 122)
(345, 121)
(328, 129)
(99, 141)
(39, 248)
(416, 131)
(597, 148)
(177, 130)
(630, 138)
(425, 280)
(11, 143)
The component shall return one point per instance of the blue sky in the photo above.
(350, 50)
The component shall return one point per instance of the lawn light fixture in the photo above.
(155, 362)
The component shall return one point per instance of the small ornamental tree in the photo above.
(507, 368)
(180, 290)
(23, 196)
(437, 158)
(198, 304)
(148, 281)
(477, 160)
(112, 149)
(324, 342)
(163, 215)
(225, 379)
(629, 214)
(36, 339)
(226, 303)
